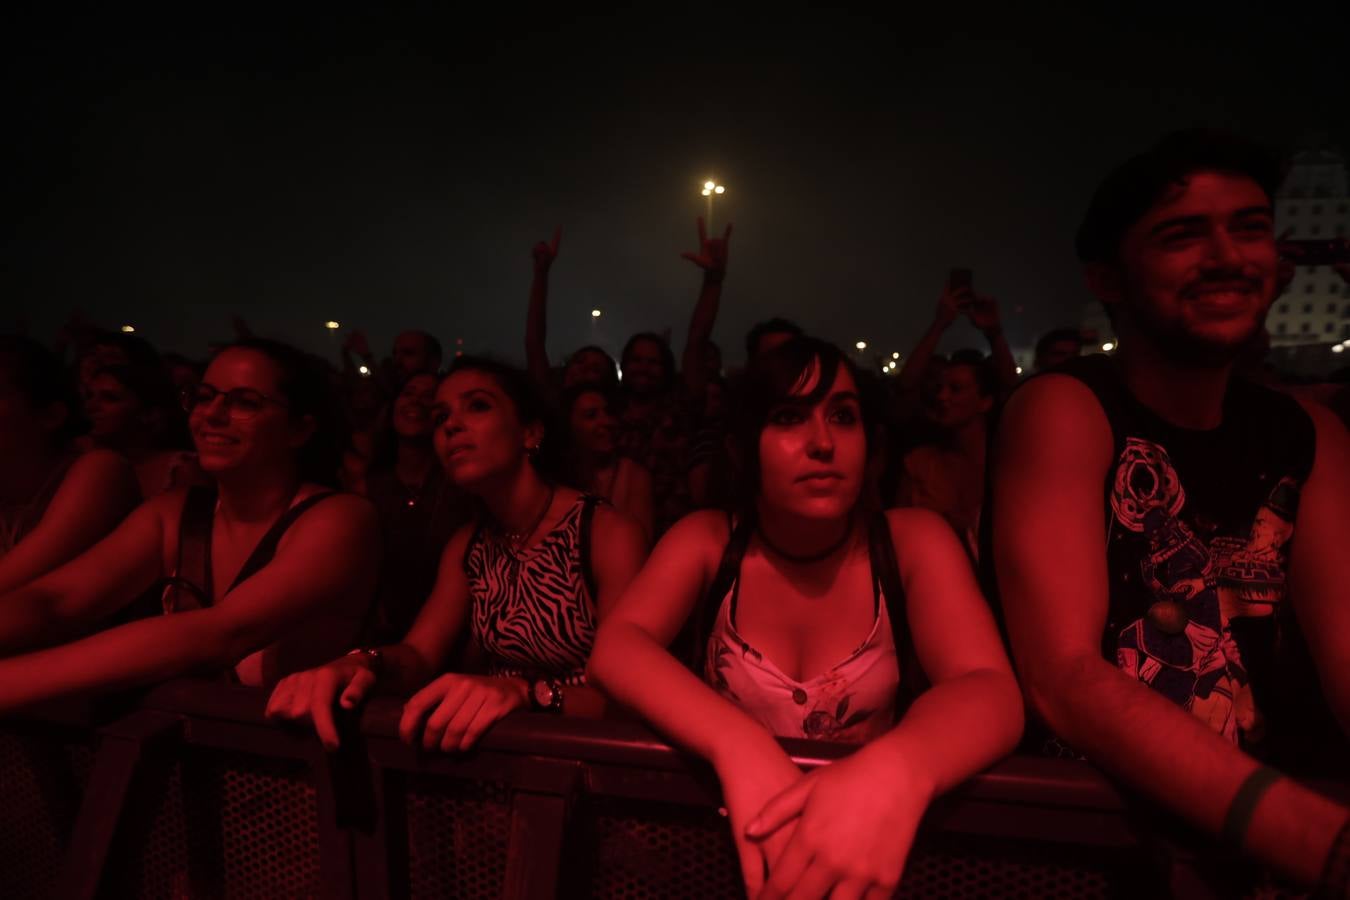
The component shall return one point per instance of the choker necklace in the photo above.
(808, 557)
(518, 538)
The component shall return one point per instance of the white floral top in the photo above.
(852, 701)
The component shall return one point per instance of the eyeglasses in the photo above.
(240, 403)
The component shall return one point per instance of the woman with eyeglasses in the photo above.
(268, 550)
(819, 620)
(530, 578)
(54, 502)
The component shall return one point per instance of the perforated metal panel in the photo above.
(976, 870)
(637, 849)
(41, 781)
(215, 825)
(457, 837)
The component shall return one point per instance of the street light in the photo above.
(711, 189)
(128, 329)
(364, 370)
(861, 345)
(895, 355)
(331, 325)
(1108, 347)
(595, 314)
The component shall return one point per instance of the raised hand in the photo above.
(545, 253)
(953, 302)
(452, 712)
(854, 824)
(984, 314)
(310, 695)
(712, 252)
(357, 343)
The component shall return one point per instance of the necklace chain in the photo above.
(519, 538)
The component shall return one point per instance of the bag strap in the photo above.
(267, 547)
(886, 570)
(192, 567)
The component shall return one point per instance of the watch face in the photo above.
(543, 694)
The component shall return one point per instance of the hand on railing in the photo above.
(852, 826)
(453, 711)
(312, 694)
(751, 776)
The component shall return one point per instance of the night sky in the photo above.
(392, 170)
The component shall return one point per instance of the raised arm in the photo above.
(712, 259)
(92, 586)
(750, 764)
(1316, 570)
(536, 317)
(342, 531)
(97, 493)
(984, 314)
(950, 304)
(1053, 452)
(857, 818)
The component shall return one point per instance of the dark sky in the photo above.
(393, 169)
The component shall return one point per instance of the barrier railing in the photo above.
(190, 792)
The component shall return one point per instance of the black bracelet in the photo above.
(1335, 881)
(1242, 808)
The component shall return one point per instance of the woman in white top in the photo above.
(814, 611)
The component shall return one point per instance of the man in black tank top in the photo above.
(1156, 524)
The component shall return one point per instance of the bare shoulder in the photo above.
(100, 470)
(340, 514)
(917, 532)
(699, 537)
(1326, 423)
(1059, 396)
(612, 523)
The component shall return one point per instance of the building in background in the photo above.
(1313, 314)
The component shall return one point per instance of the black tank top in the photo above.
(1199, 525)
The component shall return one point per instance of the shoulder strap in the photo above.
(588, 504)
(728, 568)
(881, 550)
(192, 568)
(267, 547)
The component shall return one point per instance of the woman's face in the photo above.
(593, 425)
(957, 400)
(587, 366)
(112, 409)
(812, 458)
(412, 407)
(479, 435)
(239, 418)
(644, 368)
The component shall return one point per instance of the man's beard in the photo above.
(1187, 348)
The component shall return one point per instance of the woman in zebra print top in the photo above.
(517, 575)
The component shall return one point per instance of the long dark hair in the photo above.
(308, 391)
(152, 388)
(767, 383)
(530, 406)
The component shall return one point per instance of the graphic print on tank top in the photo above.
(1200, 581)
(532, 611)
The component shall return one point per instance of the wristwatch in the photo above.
(546, 695)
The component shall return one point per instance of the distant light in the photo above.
(861, 345)
(364, 370)
(1019, 370)
(1108, 347)
(128, 329)
(1339, 348)
(719, 190)
(707, 193)
(595, 314)
(895, 356)
(331, 325)
(709, 185)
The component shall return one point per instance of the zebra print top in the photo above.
(533, 611)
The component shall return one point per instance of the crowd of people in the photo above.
(799, 549)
